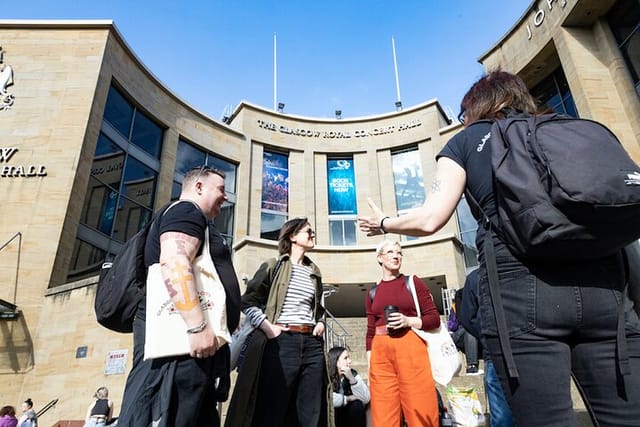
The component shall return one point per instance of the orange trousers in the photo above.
(401, 382)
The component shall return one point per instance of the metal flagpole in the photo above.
(275, 75)
(395, 66)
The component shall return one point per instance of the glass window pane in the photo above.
(624, 18)
(341, 187)
(86, 260)
(275, 182)
(176, 189)
(349, 232)
(228, 168)
(336, 237)
(99, 207)
(224, 221)
(130, 218)
(119, 112)
(408, 180)
(554, 93)
(108, 162)
(189, 157)
(139, 182)
(147, 135)
(270, 225)
(631, 54)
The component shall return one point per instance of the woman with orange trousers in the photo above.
(399, 368)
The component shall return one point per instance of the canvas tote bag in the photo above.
(443, 354)
(166, 332)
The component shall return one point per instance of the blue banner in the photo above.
(342, 188)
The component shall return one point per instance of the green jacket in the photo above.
(262, 293)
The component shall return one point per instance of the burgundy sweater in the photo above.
(395, 292)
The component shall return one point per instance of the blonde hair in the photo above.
(101, 393)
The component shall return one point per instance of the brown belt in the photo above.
(301, 329)
(382, 330)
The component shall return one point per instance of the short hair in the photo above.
(194, 174)
(289, 228)
(494, 92)
(383, 244)
(101, 393)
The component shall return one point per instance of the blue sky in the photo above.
(330, 54)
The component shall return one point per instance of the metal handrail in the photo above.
(46, 407)
(336, 333)
(4, 245)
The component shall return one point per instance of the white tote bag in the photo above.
(166, 331)
(443, 354)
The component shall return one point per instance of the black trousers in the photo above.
(352, 415)
(291, 387)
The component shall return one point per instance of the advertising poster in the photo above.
(275, 182)
(408, 180)
(342, 188)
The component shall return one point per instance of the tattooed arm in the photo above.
(177, 252)
(444, 193)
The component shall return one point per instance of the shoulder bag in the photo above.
(166, 331)
(443, 354)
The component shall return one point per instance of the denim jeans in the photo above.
(291, 385)
(499, 408)
(562, 321)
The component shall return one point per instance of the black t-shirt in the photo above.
(472, 151)
(186, 217)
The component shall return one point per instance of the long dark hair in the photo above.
(332, 364)
(494, 92)
(290, 228)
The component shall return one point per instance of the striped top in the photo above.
(298, 302)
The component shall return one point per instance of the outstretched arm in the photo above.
(444, 193)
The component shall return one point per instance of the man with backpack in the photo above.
(547, 313)
(183, 390)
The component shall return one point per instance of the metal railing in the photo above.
(46, 407)
(336, 334)
(18, 235)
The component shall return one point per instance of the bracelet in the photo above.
(382, 225)
(197, 329)
(344, 400)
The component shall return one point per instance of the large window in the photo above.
(554, 93)
(122, 186)
(188, 157)
(624, 20)
(341, 187)
(275, 194)
(408, 181)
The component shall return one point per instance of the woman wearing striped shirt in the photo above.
(283, 300)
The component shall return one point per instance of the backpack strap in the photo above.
(498, 307)
(374, 288)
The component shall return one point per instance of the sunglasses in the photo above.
(461, 117)
(310, 232)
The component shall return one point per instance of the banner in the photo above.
(342, 188)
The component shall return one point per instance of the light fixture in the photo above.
(280, 107)
(399, 105)
(338, 114)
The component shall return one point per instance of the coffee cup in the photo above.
(388, 311)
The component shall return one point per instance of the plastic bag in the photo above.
(465, 407)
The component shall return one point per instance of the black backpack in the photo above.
(564, 188)
(121, 282)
